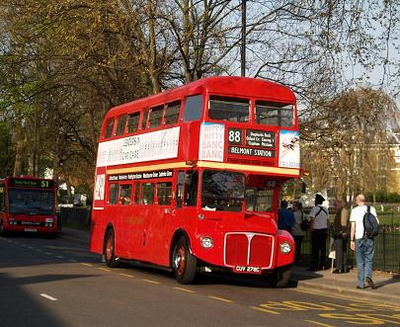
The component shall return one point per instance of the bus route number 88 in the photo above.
(234, 136)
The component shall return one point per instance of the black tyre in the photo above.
(184, 263)
(109, 249)
(280, 277)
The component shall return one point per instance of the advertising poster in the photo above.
(212, 142)
(139, 148)
(289, 149)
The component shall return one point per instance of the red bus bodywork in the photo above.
(213, 150)
(28, 205)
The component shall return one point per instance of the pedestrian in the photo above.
(364, 246)
(340, 234)
(319, 231)
(285, 217)
(297, 229)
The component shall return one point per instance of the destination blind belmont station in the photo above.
(189, 179)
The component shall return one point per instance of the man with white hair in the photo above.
(363, 245)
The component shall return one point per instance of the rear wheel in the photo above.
(109, 249)
(280, 277)
(184, 263)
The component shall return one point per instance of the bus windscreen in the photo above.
(31, 202)
(223, 191)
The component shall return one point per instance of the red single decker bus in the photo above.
(27, 204)
(189, 179)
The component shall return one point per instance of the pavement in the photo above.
(323, 282)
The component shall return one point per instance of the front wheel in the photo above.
(109, 250)
(280, 277)
(184, 263)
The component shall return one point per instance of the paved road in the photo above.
(58, 282)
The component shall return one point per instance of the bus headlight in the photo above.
(285, 247)
(206, 242)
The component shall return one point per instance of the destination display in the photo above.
(255, 152)
(139, 176)
(260, 139)
(253, 143)
(31, 183)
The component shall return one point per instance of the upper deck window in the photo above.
(193, 108)
(274, 113)
(229, 109)
(156, 116)
(121, 125)
(172, 112)
(146, 114)
(109, 128)
(133, 121)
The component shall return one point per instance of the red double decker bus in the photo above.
(27, 204)
(189, 179)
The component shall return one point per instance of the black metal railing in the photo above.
(387, 249)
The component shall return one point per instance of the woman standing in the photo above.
(297, 230)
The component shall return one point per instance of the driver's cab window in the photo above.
(259, 199)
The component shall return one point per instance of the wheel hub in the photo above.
(180, 261)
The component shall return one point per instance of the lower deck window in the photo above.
(113, 194)
(126, 194)
(147, 194)
(164, 193)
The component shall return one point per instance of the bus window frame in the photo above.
(117, 125)
(137, 187)
(156, 202)
(145, 119)
(142, 193)
(166, 107)
(134, 113)
(278, 126)
(109, 194)
(204, 97)
(152, 109)
(227, 96)
(112, 133)
(119, 193)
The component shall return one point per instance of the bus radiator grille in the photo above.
(248, 249)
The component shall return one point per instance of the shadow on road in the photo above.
(19, 308)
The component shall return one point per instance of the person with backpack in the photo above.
(319, 232)
(364, 225)
(340, 234)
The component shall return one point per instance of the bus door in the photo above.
(185, 211)
(138, 221)
(162, 216)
